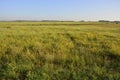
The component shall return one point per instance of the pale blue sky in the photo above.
(59, 9)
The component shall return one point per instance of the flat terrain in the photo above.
(59, 51)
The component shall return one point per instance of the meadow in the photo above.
(59, 51)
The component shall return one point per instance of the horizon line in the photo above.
(58, 20)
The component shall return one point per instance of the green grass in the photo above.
(59, 51)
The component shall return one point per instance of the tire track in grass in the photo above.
(76, 47)
(79, 47)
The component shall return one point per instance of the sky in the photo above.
(89, 10)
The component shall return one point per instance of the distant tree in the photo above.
(103, 21)
(82, 21)
(116, 22)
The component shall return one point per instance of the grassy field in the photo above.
(59, 51)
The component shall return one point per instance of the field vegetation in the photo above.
(59, 51)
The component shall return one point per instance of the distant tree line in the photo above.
(109, 21)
